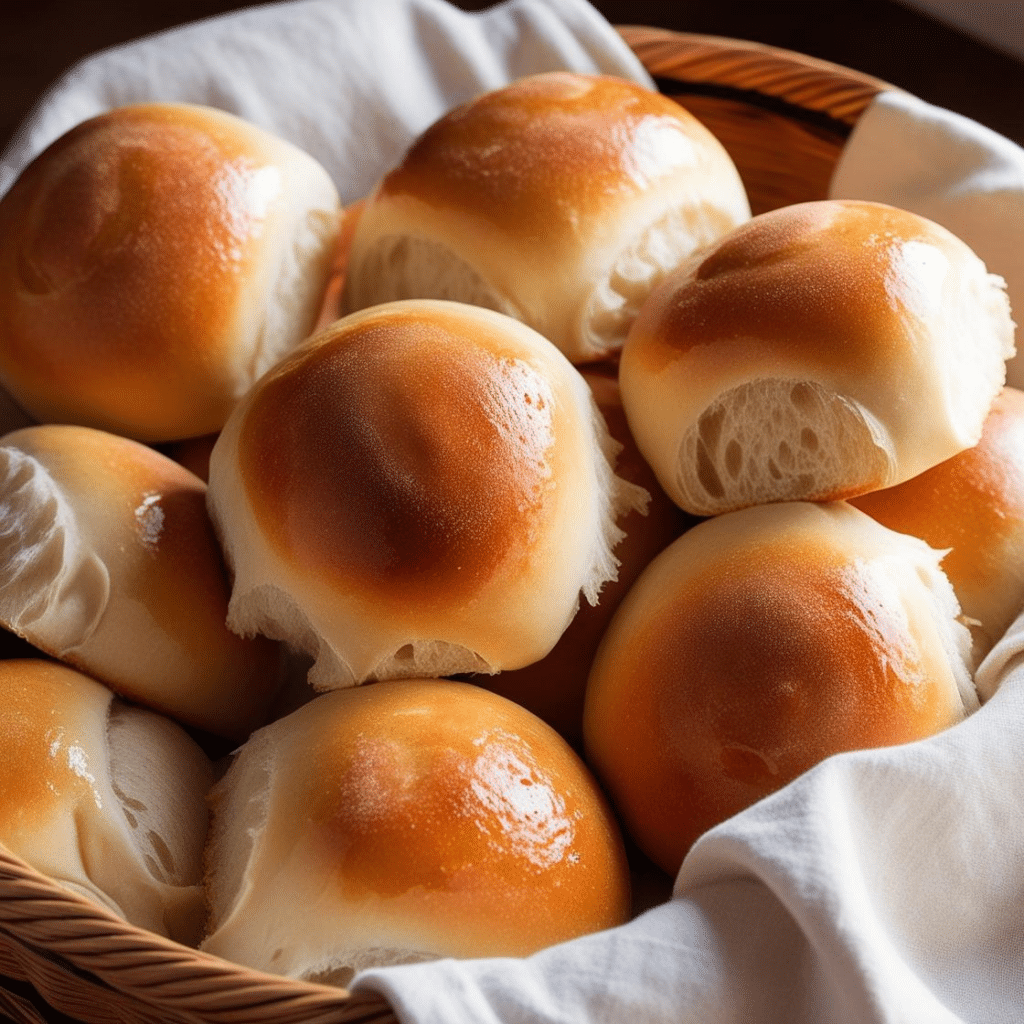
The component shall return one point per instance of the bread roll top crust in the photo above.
(422, 489)
(148, 260)
(94, 231)
(477, 786)
(755, 646)
(515, 157)
(747, 620)
(824, 285)
(401, 459)
(52, 737)
(409, 819)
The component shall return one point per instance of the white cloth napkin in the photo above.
(884, 886)
(351, 81)
(947, 167)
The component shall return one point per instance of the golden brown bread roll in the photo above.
(559, 199)
(404, 821)
(817, 352)
(972, 507)
(422, 489)
(108, 562)
(553, 688)
(154, 261)
(756, 645)
(104, 798)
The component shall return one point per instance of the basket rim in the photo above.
(93, 939)
(757, 73)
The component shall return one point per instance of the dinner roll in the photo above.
(756, 645)
(553, 687)
(972, 506)
(105, 798)
(154, 261)
(559, 200)
(819, 351)
(404, 821)
(108, 562)
(422, 489)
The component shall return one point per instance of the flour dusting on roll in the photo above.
(817, 352)
(154, 261)
(560, 199)
(424, 488)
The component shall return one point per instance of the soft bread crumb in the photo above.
(161, 777)
(397, 267)
(624, 497)
(288, 299)
(345, 965)
(780, 440)
(238, 803)
(52, 593)
(658, 249)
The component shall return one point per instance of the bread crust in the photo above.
(558, 200)
(817, 352)
(153, 261)
(403, 821)
(759, 643)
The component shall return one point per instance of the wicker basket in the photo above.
(784, 119)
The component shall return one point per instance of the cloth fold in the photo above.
(881, 886)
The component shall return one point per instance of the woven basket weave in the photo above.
(784, 119)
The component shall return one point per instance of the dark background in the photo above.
(39, 39)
